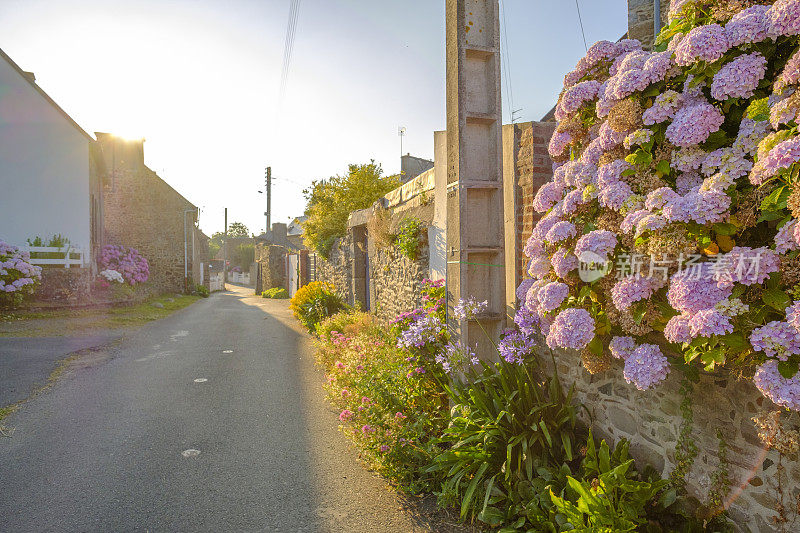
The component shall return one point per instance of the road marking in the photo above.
(178, 334)
(191, 452)
(227, 351)
(200, 380)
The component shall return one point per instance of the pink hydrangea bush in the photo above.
(128, 262)
(18, 277)
(670, 229)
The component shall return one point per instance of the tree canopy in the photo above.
(330, 202)
(237, 229)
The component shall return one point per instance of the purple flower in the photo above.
(740, 77)
(703, 43)
(571, 202)
(552, 295)
(688, 182)
(678, 329)
(793, 315)
(547, 196)
(613, 196)
(632, 289)
(563, 262)
(574, 97)
(657, 198)
(572, 328)
(784, 239)
(515, 347)
(784, 18)
(622, 347)
(561, 231)
(609, 138)
(694, 289)
(790, 74)
(688, 159)
(543, 226)
(748, 26)
(664, 107)
(469, 308)
(650, 223)
(709, 322)
(783, 155)
(523, 288)
(782, 391)
(776, 339)
(632, 219)
(646, 367)
(345, 415)
(599, 242)
(558, 142)
(420, 332)
(693, 124)
(748, 266)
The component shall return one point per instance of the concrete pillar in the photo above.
(475, 242)
(510, 199)
(437, 233)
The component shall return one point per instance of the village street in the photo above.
(108, 448)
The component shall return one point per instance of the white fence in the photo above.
(242, 278)
(68, 256)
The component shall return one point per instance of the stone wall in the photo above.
(142, 211)
(640, 20)
(533, 169)
(67, 285)
(651, 421)
(337, 269)
(271, 271)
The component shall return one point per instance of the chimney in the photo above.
(278, 233)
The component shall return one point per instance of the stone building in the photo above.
(143, 211)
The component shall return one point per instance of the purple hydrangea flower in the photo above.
(646, 367)
(709, 322)
(740, 77)
(688, 182)
(658, 198)
(748, 266)
(523, 288)
(664, 107)
(629, 290)
(613, 196)
(561, 231)
(793, 315)
(703, 43)
(783, 155)
(609, 138)
(688, 159)
(782, 391)
(599, 242)
(790, 74)
(574, 97)
(622, 347)
(611, 173)
(776, 339)
(632, 219)
(552, 295)
(748, 26)
(572, 328)
(784, 18)
(784, 239)
(694, 289)
(558, 142)
(547, 196)
(678, 329)
(563, 262)
(693, 124)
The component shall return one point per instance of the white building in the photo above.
(48, 177)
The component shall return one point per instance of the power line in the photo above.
(288, 44)
(580, 20)
(507, 63)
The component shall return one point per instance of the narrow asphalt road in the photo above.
(113, 445)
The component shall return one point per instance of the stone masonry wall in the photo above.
(640, 20)
(338, 268)
(271, 259)
(534, 168)
(396, 281)
(651, 421)
(142, 211)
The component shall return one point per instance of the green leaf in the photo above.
(663, 167)
(596, 346)
(712, 358)
(492, 516)
(772, 199)
(788, 368)
(735, 341)
(776, 298)
(725, 228)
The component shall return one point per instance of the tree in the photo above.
(330, 202)
(215, 244)
(237, 229)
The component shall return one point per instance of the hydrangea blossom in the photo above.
(572, 328)
(622, 347)
(748, 266)
(632, 289)
(552, 295)
(784, 239)
(678, 329)
(127, 261)
(694, 289)
(646, 366)
(574, 97)
(782, 391)
(703, 43)
(688, 159)
(776, 339)
(561, 231)
(784, 18)
(112, 275)
(693, 124)
(793, 315)
(547, 196)
(563, 262)
(615, 195)
(709, 322)
(739, 78)
(637, 138)
(664, 107)
(790, 74)
(688, 182)
(18, 276)
(558, 143)
(598, 242)
(782, 156)
(748, 26)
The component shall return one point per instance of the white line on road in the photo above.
(191, 452)
(200, 380)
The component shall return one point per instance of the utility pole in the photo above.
(401, 131)
(269, 198)
(225, 253)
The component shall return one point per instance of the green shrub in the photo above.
(315, 302)
(408, 239)
(278, 293)
(202, 290)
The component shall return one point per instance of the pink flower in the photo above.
(345, 415)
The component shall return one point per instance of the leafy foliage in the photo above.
(278, 293)
(330, 202)
(238, 229)
(409, 237)
(315, 302)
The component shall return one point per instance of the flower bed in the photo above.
(119, 264)
(18, 278)
(668, 231)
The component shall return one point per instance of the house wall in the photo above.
(142, 211)
(44, 167)
(640, 20)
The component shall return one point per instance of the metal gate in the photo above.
(292, 273)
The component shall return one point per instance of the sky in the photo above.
(199, 81)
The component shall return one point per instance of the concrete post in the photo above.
(475, 242)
